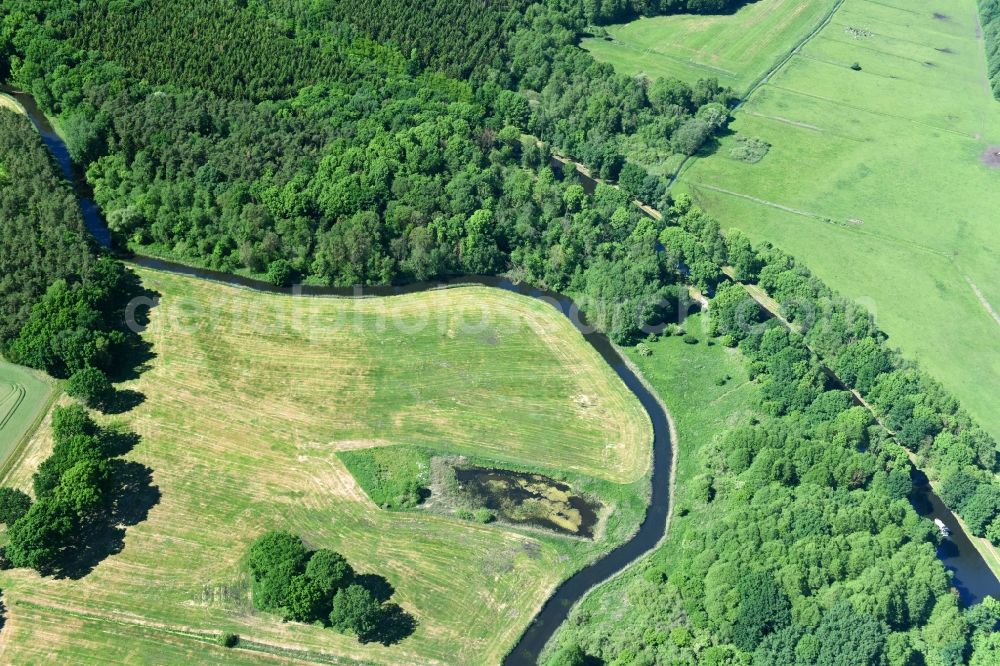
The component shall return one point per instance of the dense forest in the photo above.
(360, 143)
(804, 546)
(358, 167)
(793, 541)
(40, 222)
(61, 300)
(989, 11)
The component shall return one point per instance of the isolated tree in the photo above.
(14, 504)
(355, 610)
(91, 386)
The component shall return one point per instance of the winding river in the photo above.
(971, 576)
(557, 607)
(654, 525)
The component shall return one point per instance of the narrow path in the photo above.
(982, 300)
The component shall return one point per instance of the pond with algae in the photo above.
(523, 498)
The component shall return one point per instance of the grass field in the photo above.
(248, 401)
(686, 378)
(24, 396)
(875, 180)
(736, 49)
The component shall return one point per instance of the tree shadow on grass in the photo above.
(394, 625)
(134, 355)
(118, 440)
(379, 586)
(131, 499)
(123, 400)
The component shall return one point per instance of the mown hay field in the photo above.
(876, 180)
(736, 49)
(248, 400)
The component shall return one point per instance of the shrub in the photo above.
(749, 149)
(690, 339)
(643, 349)
(484, 516)
(856, 66)
(229, 640)
(280, 273)
(465, 514)
(91, 386)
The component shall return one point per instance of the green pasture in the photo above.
(252, 399)
(736, 49)
(875, 180)
(24, 396)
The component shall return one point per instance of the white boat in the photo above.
(945, 532)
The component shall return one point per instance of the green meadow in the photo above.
(24, 396)
(876, 180)
(250, 402)
(736, 49)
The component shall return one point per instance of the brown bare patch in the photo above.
(991, 157)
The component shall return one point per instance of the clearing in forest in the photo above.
(878, 129)
(249, 399)
(736, 49)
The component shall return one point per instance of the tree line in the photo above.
(83, 494)
(922, 414)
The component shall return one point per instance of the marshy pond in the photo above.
(523, 498)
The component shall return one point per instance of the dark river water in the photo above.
(971, 577)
